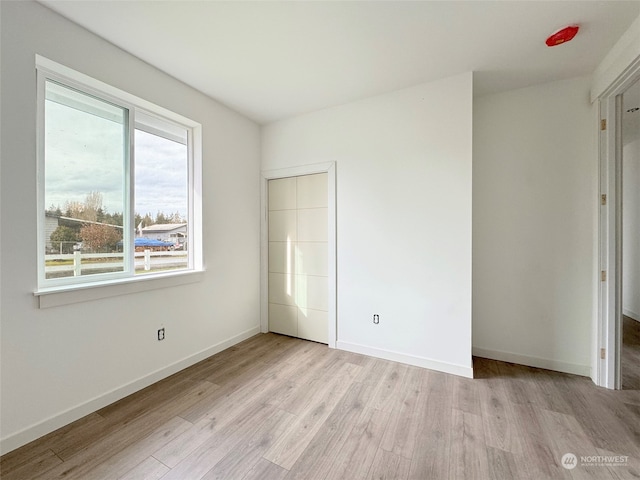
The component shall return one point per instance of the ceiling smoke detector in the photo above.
(562, 36)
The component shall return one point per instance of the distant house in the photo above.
(52, 221)
(175, 233)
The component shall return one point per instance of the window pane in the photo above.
(85, 152)
(161, 202)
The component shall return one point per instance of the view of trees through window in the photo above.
(85, 188)
(88, 223)
(88, 228)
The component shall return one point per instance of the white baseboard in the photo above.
(630, 314)
(583, 370)
(408, 359)
(60, 420)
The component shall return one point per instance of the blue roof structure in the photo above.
(149, 242)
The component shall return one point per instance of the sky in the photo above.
(84, 153)
(161, 175)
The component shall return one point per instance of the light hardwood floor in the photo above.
(275, 407)
(630, 359)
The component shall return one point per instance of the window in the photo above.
(118, 184)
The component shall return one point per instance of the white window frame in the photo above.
(53, 292)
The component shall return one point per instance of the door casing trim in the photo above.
(609, 328)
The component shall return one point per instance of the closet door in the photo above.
(283, 228)
(298, 248)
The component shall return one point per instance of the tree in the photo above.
(146, 220)
(100, 238)
(54, 210)
(176, 218)
(74, 209)
(87, 210)
(64, 234)
(93, 206)
(161, 218)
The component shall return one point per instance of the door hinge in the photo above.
(603, 199)
(603, 353)
(603, 124)
(603, 276)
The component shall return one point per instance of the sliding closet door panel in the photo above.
(281, 258)
(311, 292)
(312, 325)
(283, 312)
(312, 191)
(282, 194)
(283, 319)
(283, 226)
(312, 225)
(282, 289)
(311, 258)
(298, 257)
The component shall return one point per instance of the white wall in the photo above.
(535, 180)
(60, 363)
(403, 166)
(631, 229)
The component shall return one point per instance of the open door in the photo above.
(613, 277)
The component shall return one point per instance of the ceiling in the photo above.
(274, 60)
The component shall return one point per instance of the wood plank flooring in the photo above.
(630, 358)
(278, 408)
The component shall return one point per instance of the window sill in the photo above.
(57, 296)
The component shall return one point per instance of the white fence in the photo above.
(146, 260)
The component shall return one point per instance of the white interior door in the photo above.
(298, 256)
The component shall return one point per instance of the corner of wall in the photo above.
(622, 57)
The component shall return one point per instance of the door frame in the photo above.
(609, 328)
(330, 169)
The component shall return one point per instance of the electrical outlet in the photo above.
(376, 318)
(161, 334)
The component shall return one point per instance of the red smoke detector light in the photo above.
(562, 36)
